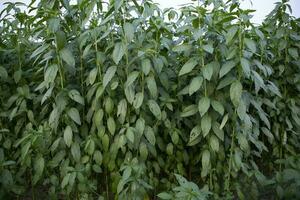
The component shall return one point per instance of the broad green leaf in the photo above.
(219, 132)
(189, 110)
(109, 74)
(92, 76)
(207, 71)
(250, 44)
(208, 48)
(61, 39)
(294, 53)
(74, 115)
(205, 163)
(3, 73)
(118, 52)
(226, 67)
(217, 106)
(143, 151)
(150, 136)
(236, 90)
(230, 34)
(129, 31)
(151, 84)
(224, 120)
(122, 110)
(131, 78)
(98, 157)
(111, 125)
(130, 134)
(182, 48)
(68, 135)
(203, 105)
(65, 180)
(155, 109)
(75, 95)
(214, 143)
(67, 56)
(205, 124)
(118, 4)
(75, 151)
(146, 66)
(138, 100)
(188, 66)
(130, 93)
(51, 73)
(194, 136)
(195, 85)
(246, 67)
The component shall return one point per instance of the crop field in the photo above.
(122, 100)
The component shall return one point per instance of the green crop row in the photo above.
(122, 100)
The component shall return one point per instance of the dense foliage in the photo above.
(123, 100)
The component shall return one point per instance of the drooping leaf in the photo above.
(203, 105)
(67, 56)
(188, 66)
(118, 52)
(74, 115)
(236, 90)
(109, 74)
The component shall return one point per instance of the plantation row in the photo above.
(123, 100)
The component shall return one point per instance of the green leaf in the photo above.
(98, 157)
(118, 4)
(75, 151)
(130, 134)
(109, 74)
(194, 135)
(208, 48)
(189, 111)
(226, 67)
(74, 115)
(155, 109)
(151, 84)
(224, 120)
(205, 163)
(188, 66)
(230, 34)
(205, 124)
(138, 100)
(51, 73)
(68, 135)
(118, 52)
(131, 78)
(111, 125)
(207, 71)
(195, 85)
(182, 48)
(130, 93)
(146, 66)
(92, 76)
(75, 95)
(65, 180)
(129, 31)
(203, 105)
(67, 56)
(246, 67)
(217, 106)
(150, 136)
(214, 143)
(294, 53)
(250, 44)
(3, 73)
(236, 90)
